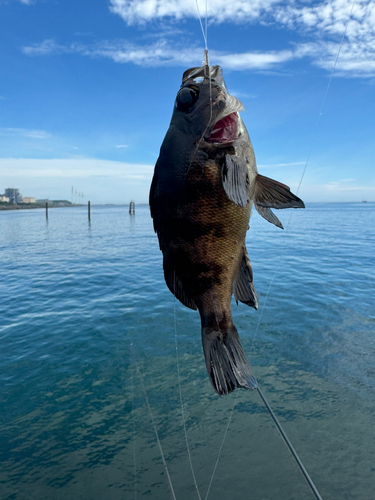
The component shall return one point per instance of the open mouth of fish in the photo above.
(225, 130)
(226, 127)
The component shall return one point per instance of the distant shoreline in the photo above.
(28, 206)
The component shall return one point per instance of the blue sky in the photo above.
(87, 89)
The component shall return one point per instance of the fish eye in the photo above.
(186, 98)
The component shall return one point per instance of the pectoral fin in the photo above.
(273, 194)
(243, 286)
(235, 179)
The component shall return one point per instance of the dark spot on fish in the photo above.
(221, 325)
(216, 152)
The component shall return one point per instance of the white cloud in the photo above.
(122, 146)
(160, 53)
(74, 168)
(326, 21)
(48, 46)
(141, 11)
(328, 16)
(243, 95)
(103, 181)
(356, 60)
(292, 164)
(253, 60)
(331, 187)
(346, 185)
(163, 53)
(24, 132)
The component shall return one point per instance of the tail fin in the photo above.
(226, 362)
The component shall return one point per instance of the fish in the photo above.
(204, 185)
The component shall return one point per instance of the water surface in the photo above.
(82, 306)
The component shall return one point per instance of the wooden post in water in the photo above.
(89, 212)
(131, 208)
(47, 210)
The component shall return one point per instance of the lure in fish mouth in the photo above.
(205, 183)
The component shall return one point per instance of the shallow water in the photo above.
(74, 423)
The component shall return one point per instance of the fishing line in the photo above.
(206, 23)
(204, 31)
(289, 445)
(304, 169)
(180, 390)
(282, 432)
(134, 437)
(184, 420)
(326, 94)
(206, 64)
(268, 407)
(221, 447)
(154, 425)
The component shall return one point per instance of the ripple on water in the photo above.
(74, 420)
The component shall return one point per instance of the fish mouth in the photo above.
(225, 126)
(225, 130)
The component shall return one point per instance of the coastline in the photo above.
(28, 206)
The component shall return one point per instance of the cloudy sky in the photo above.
(87, 89)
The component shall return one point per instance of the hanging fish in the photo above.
(204, 185)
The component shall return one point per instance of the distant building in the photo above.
(4, 198)
(14, 195)
(27, 199)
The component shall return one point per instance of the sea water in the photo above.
(88, 329)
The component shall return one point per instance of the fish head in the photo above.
(204, 108)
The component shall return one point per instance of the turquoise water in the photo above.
(74, 423)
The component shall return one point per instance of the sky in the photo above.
(87, 89)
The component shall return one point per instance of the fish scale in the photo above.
(205, 183)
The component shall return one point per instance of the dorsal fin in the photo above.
(273, 194)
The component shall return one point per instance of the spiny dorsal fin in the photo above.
(273, 194)
(235, 179)
(243, 286)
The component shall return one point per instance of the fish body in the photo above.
(204, 185)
